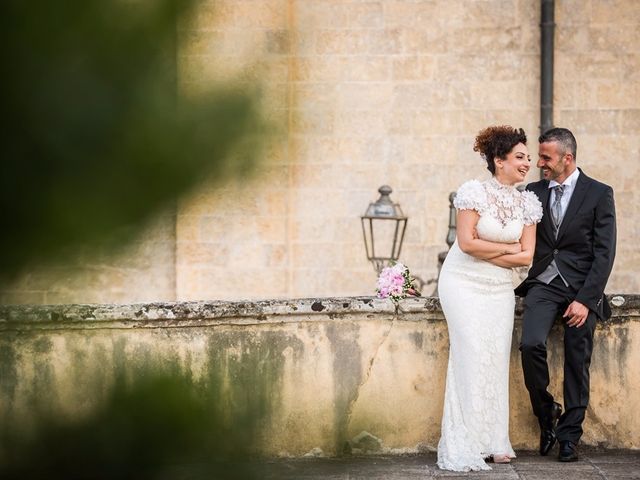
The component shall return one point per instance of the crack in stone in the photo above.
(367, 374)
(597, 469)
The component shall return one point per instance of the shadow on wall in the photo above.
(157, 426)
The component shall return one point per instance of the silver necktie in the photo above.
(556, 208)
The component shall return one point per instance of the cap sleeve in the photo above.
(532, 208)
(471, 196)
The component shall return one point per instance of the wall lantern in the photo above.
(383, 227)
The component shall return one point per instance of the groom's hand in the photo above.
(577, 313)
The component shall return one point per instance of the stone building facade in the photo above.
(365, 93)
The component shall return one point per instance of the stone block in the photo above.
(479, 40)
(313, 122)
(322, 14)
(260, 14)
(321, 177)
(574, 40)
(414, 67)
(591, 121)
(201, 42)
(430, 123)
(503, 13)
(400, 122)
(613, 95)
(363, 123)
(245, 43)
(375, 97)
(316, 202)
(594, 66)
(201, 253)
(574, 12)
(341, 42)
(316, 69)
(425, 41)
(321, 96)
(365, 68)
(574, 94)
(629, 67)
(315, 255)
(630, 119)
(278, 42)
(17, 297)
(471, 68)
(613, 38)
(617, 12)
(276, 255)
(386, 42)
(407, 13)
(316, 228)
(369, 14)
(209, 16)
(328, 150)
(419, 96)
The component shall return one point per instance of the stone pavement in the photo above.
(593, 464)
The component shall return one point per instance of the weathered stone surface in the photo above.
(528, 465)
(323, 370)
(364, 442)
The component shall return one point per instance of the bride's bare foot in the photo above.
(500, 458)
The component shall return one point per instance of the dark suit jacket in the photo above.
(585, 247)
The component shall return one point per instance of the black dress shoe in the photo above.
(568, 452)
(547, 431)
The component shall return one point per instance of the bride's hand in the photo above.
(513, 248)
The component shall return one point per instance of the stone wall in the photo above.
(596, 94)
(329, 368)
(376, 93)
(142, 271)
(366, 93)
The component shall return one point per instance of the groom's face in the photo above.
(554, 164)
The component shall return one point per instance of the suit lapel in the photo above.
(547, 223)
(577, 198)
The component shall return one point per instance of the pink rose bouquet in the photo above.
(395, 282)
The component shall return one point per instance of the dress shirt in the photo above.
(569, 186)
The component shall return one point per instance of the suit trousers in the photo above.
(543, 305)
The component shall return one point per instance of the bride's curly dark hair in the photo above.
(496, 141)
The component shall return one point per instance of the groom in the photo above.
(575, 248)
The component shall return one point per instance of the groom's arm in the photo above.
(604, 249)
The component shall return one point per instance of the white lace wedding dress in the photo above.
(478, 302)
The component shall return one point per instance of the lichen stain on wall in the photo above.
(313, 381)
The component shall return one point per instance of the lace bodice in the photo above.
(503, 209)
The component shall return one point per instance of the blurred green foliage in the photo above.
(157, 427)
(95, 138)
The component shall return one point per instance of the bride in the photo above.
(496, 231)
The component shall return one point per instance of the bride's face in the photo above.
(513, 169)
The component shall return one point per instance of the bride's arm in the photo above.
(523, 258)
(470, 244)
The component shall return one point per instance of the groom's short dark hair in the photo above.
(564, 137)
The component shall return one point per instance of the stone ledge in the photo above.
(183, 314)
(327, 368)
